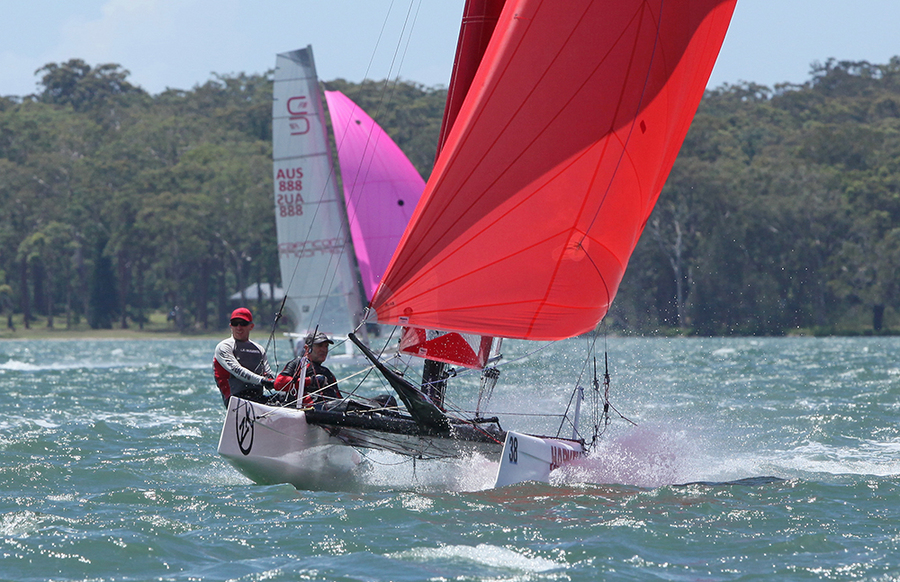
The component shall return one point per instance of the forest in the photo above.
(781, 214)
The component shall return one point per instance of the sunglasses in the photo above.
(239, 323)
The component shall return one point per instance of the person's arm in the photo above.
(333, 382)
(325, 381)
(285, 379)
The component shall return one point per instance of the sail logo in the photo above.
(559, 456)
(298, 109)
(310, 248)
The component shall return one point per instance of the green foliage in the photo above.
(103, 307)
(787, 204)
(782, 211)
(76, 84)
(117, 202)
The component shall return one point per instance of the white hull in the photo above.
(530, 458)
(275, 445)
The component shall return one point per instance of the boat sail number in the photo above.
(513, 450)
(290, 187)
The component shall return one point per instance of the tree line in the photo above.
(117, 203)
(781, 211)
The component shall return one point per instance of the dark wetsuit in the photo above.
(240, 368)
(327, 389)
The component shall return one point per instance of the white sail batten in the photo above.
(310, 217)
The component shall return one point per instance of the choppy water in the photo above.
(109, 472)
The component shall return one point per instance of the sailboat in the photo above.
(562, 123)
(333, 247)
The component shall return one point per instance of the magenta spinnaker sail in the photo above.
(381, 186)
(553, 165)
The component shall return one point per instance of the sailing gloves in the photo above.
(318, 381)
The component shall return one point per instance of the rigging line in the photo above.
(623, 417)
(346, 397)
(367, 160)
(524, 414)
(565, 415)
(271, 340)
(378, 40)
(592, 348)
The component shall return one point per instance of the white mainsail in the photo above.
(315, 254)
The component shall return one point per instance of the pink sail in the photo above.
(381, 187)
(553, 165)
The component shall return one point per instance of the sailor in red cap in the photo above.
(240, 364)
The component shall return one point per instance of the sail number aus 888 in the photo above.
(290, 184)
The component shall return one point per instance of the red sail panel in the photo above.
(553, 166)
(471, 351)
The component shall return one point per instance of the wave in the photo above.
(503, 559)
(14, 365)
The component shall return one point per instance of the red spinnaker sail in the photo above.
(553, 165)
(471, 351)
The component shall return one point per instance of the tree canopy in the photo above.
(781, 212)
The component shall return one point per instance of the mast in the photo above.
(478, 22)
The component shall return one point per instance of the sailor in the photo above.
(320, 385)
(240, 365)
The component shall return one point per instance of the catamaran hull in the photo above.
(530, 458)
(276, 445)
(282, 445)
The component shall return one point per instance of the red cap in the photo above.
(242, 313)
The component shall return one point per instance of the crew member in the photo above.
(240, 365)
(320, 385)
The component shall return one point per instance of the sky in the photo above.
(182, 43)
